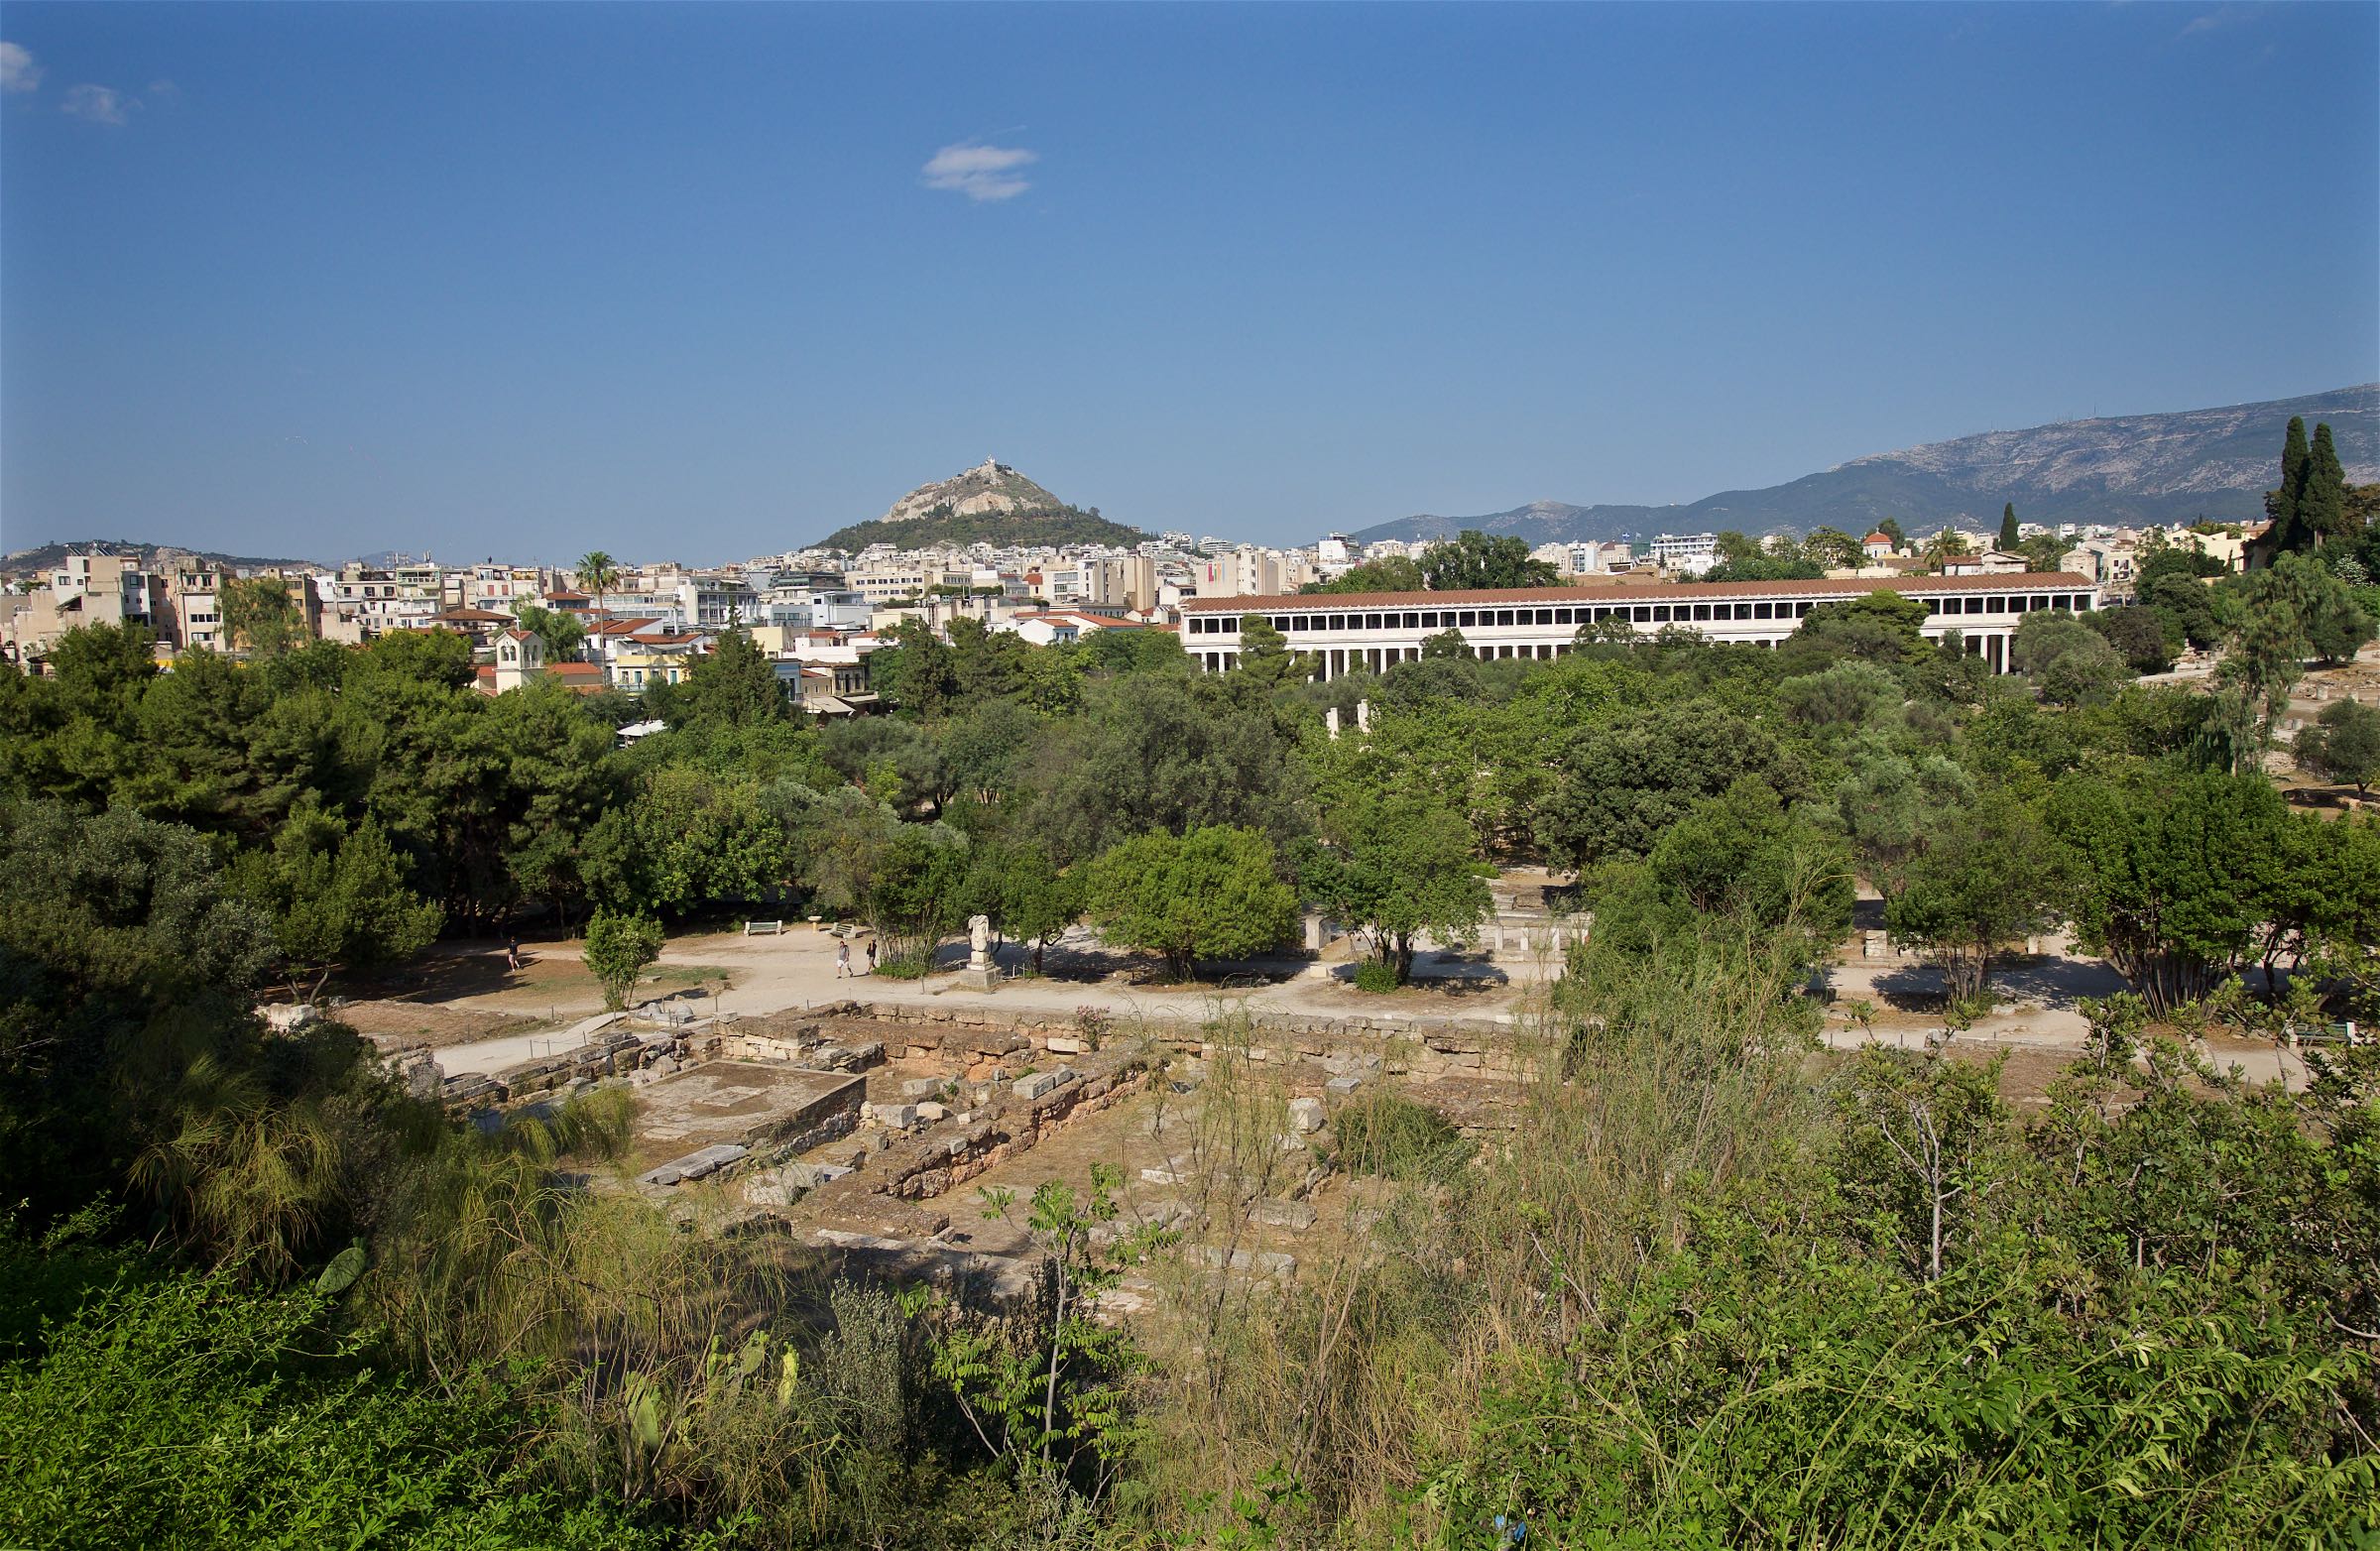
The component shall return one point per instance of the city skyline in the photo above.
(714, 282)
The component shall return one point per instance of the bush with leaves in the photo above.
(1212, 893)
(181, 1410)
(619, 950)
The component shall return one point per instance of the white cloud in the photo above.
(99, 104)
(2221, 17)
(981, 173)
(18, 72)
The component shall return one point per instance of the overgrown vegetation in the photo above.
(1712, 1288)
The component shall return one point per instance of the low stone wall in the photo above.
(949, 1153)
(984, 1041)
(800, 1046)
(607, 1053)
(830, 1116)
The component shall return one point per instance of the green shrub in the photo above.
(187, 1413)
(916, 964)
(619, 948)
(1373, 976)
(1388, 1134)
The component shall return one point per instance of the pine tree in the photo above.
(2323, 495)
(2009, 538)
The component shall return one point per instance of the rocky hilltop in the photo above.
(152, 556)
(989, 486)
(2173, 467)
(992, 504)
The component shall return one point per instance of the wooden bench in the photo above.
(773, 928)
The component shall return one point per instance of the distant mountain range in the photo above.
(2197, 463)
(47, 556)
(990, 503)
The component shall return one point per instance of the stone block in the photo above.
(929, 1112)
(1061, 1044)
(1042, 1083)
(694, 1165)
(1293, 1215)
(900, 1117)
(1305, 1115)
(921, 1088)
(1264, 1263)
(1341, 1087)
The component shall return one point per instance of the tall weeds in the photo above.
(1648, 1087)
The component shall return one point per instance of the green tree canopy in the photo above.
(1389, 573)
(1395, 865)
(2143, 637)
(916, 673)
(1028, 897)
(1986, 876)
(2069, 662)
(1620, 781)
(1832, 548)
(560, 634)
(2166, 875)
(338, 898)
(1474, 560)
(1212, 894)
(260, 616)
(734, 684)
(620, 947)
(1881, 626)
(2344, 744)
(1265, 657)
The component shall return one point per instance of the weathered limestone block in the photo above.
(1297, 1216)
(694, 1165)
(1042, 1084)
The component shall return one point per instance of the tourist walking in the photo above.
(511, 953)
(842, 960)
(872, 955)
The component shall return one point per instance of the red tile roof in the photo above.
(1653, 592)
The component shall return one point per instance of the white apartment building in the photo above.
(814, 608)
(1250, 573)
(1585, 557)
(1688, 554)
(371, 601)
(1375, 631)
(885, 580)
(83, 590)
(198, 611)
(714, 603)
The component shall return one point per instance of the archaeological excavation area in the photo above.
(886, 1136)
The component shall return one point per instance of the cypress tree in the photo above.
(2322, 497)
(2008, 539)
(2283, 501)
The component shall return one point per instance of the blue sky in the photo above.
(708, 281)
